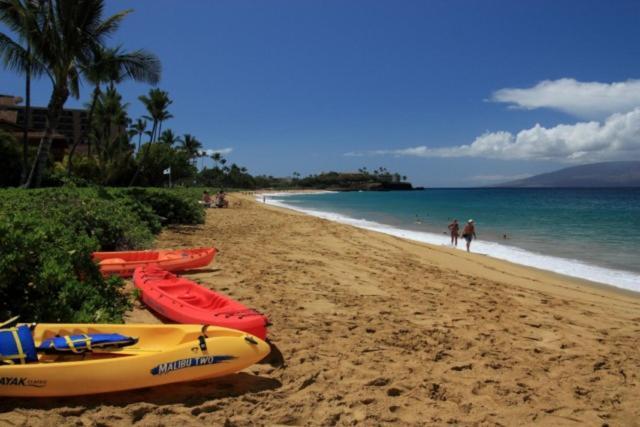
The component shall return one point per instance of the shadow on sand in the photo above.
(190, 394)
(274, 358)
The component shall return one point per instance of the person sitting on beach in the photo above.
(221, 202)
(469, 233)
(206, 199)
(454, 228)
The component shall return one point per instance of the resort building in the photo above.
(71, 127)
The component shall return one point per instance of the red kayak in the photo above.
(124, 263)
(184, 301)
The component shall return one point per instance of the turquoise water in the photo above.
(598, 227)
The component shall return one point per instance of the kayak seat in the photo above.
(17, 346)
(188, 297)
(215, 303)
(82, 343)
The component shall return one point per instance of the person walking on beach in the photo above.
(454, 229)
(469, 233)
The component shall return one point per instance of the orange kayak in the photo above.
(124, 263)
(184, 301)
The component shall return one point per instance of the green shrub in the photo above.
(142, 211)
(48, 235)
(46, 273)
(172, 207)
(10, 160)
(110, 220)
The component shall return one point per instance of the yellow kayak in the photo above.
(163, 354)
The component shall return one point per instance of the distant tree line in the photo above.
(363, 179)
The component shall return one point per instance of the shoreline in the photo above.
(573, 281)
(622, 279)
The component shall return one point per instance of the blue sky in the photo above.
(415, 86)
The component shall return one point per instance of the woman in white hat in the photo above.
(469, 233)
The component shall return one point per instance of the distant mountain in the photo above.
(607, 174)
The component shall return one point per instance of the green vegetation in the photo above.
(46, 271)
(378, 179)
(9, 160)
(65, 40)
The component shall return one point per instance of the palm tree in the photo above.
(62, 35)
(191, 146)
(112, 65)
(169, 138)
(18, 16)
(138, 128)
(156, 104)
(113, 148)
(217, 158)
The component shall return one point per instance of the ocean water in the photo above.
(592, 234)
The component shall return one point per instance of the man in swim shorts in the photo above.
(469, 233)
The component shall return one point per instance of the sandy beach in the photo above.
(371, 329)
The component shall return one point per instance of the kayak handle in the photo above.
(202, 339)
(202, 342)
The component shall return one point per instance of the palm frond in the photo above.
(74, 82)
(14, 56)
(110, 25)
(12, 14)
(141, 66)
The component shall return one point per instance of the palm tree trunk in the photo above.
(27, 119)
(96, 92)
(54, 111)
(144, 155)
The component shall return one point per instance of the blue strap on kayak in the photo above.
(82, 343)
(17, 346)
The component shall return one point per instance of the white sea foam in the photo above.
(569, 267)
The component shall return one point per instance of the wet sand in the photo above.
(371, 329)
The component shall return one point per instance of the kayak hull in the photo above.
(164, 354)
(183, 301)
(124, 263)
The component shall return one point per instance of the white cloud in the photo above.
(591, 100)
(223, 151)
(618, 137)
